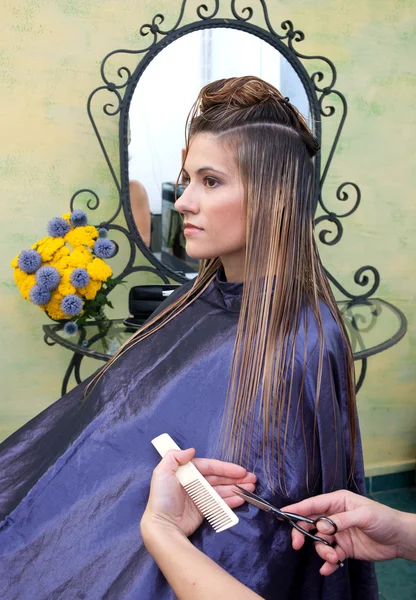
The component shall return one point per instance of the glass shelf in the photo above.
(373, 325)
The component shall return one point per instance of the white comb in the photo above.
(207, 500)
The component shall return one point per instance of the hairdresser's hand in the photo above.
(170, 506)
(367, 530)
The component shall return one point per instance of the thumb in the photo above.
(174, 459)
(359, 517)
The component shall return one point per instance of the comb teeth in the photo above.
(206, 499)
(209, 506)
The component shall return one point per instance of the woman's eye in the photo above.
(186, 180)
(210, 182)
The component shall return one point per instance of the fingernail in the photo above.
(330, 557)
(325, 527)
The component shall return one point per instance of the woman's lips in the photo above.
(191, 229)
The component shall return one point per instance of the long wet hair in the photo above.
(274, 150)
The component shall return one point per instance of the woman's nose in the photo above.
(187, 203)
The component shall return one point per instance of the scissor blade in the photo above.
(254, 502)
(252, 499)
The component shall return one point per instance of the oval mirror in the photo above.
(158, 110)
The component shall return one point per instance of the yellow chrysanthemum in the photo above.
(66, 288)
(91, 230)
(82, 236)
(53, 307)
(56, 298)
(41, 241)
(66, 275)
(20, 276)
(67, 217)
(99, 270)
(90, 290)
(14, 262)
(48, 246)
(80, 257)
(26, 285)
(59, 259)
(61, 265)
(55, 313)
(61, 253)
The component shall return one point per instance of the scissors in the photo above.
(291, 518)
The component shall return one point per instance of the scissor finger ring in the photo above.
(330, 521)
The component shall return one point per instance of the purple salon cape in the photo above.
(74, 481)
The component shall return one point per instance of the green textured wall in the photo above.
(49, 63)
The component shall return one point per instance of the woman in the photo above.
(259, 372)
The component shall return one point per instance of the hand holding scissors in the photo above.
(362, 528)
(293, 518)
(367, 530)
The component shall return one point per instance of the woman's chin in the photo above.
(197, 253)
(197, 256)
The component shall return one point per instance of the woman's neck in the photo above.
(233, 267)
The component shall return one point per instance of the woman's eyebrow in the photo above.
(204, 170)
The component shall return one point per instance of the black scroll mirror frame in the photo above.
(318, 96)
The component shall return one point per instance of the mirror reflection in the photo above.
(158, 111)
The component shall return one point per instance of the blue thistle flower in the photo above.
(79, 278)
(48, 278)
(71, 328)
(58, 227)
(71, 305)
(29, 261)
(39, 295)
(104, 248)
(103, 233)
(79, 218)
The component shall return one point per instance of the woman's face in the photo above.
(213, 203)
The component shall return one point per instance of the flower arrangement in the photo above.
(65, 273)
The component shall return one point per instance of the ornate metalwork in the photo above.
(360, 317)
(320, 90)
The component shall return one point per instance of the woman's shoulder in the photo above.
(136, 186)
(319, 327)
(321, 351)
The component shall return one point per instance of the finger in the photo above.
(333, 555)
(323, 504)
(227, 491)
(173, 460)
(218, 480)
(211, 466)
(327, 569)
(360, 517)
(234, 501)
(298, 539)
